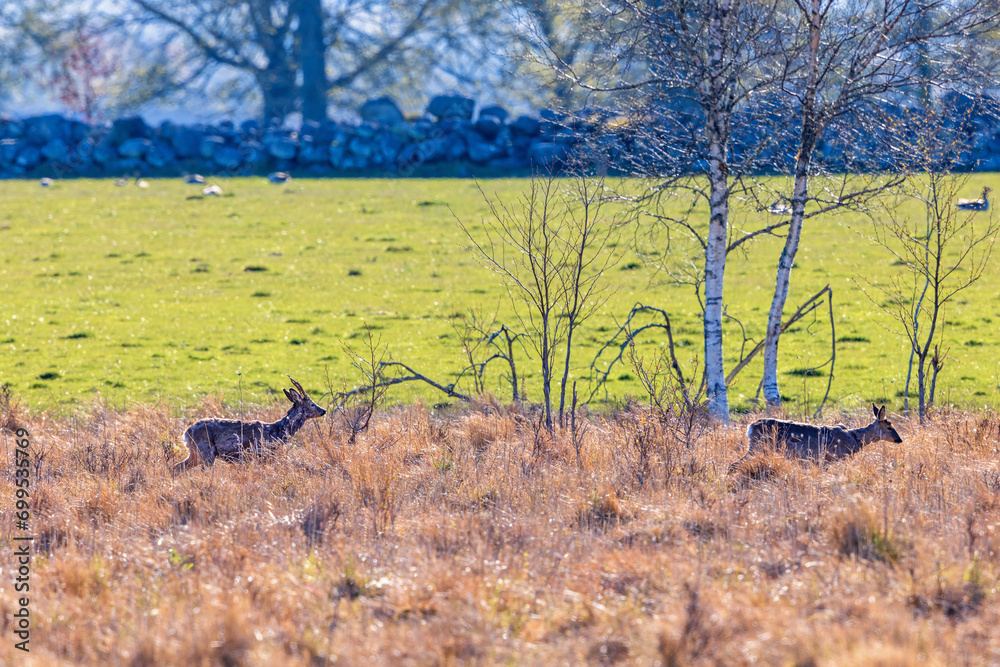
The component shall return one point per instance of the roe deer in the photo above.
(231, 439)
(818, 442)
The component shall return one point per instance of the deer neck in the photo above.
(287, 426)
(865, 435)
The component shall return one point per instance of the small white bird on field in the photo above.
(278, 177)
(211, 191)
(141, 183)
(194, 179)
(779, 208)
(46, 182)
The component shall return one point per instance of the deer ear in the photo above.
(874, 411)
(881, 414)
(289, 396)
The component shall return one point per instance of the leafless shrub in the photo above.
(358, 406)
(483, 341)
(551, 248)
(943, 254)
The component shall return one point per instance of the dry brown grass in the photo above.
(472, 537)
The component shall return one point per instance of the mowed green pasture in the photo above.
(155, 295)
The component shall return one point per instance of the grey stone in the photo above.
(312, 151)
(85, 149)
(56, 151)
(341, 136)
(134, 148)
(420, 130)
(432, 150)
(526, 126)
(124, 166)
(455, 124)
(209, 145)
(356, 162)
(254, 152)
(547, 154)
(408, 157)
(160, 155)
(482, 152)
(167, 130)
(489, 127)
(186, 142)
(310, 128)
(77, 131)
(451, 106)
(337, 151)
(15, 129)
(250, 127)
(508, 163)
(455, 148)
(28, 157)
(381, 111)
(494, 111)
(40, 130)
(104, 152)
(388, 147)
(124, 129)
(8, 151)
(280, 147)
(227, 157)
(359, 147)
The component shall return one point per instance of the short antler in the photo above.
(297, 386)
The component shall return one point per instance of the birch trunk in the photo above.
(800, 190)
(770, 384)
(718, 226)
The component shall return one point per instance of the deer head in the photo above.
(300, 399)
(882, 427)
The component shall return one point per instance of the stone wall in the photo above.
(449, 137)
(384, 141)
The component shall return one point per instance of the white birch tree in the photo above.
(685, 71)
(846, 61)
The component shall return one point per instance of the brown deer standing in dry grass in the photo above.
(817, 442)
(231, 440)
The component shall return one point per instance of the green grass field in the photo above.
(151, 295)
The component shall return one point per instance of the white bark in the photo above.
(718, 226)
(715, 270)
(807, 142)
(770, 383)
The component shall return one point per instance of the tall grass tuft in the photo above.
(468, 534)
